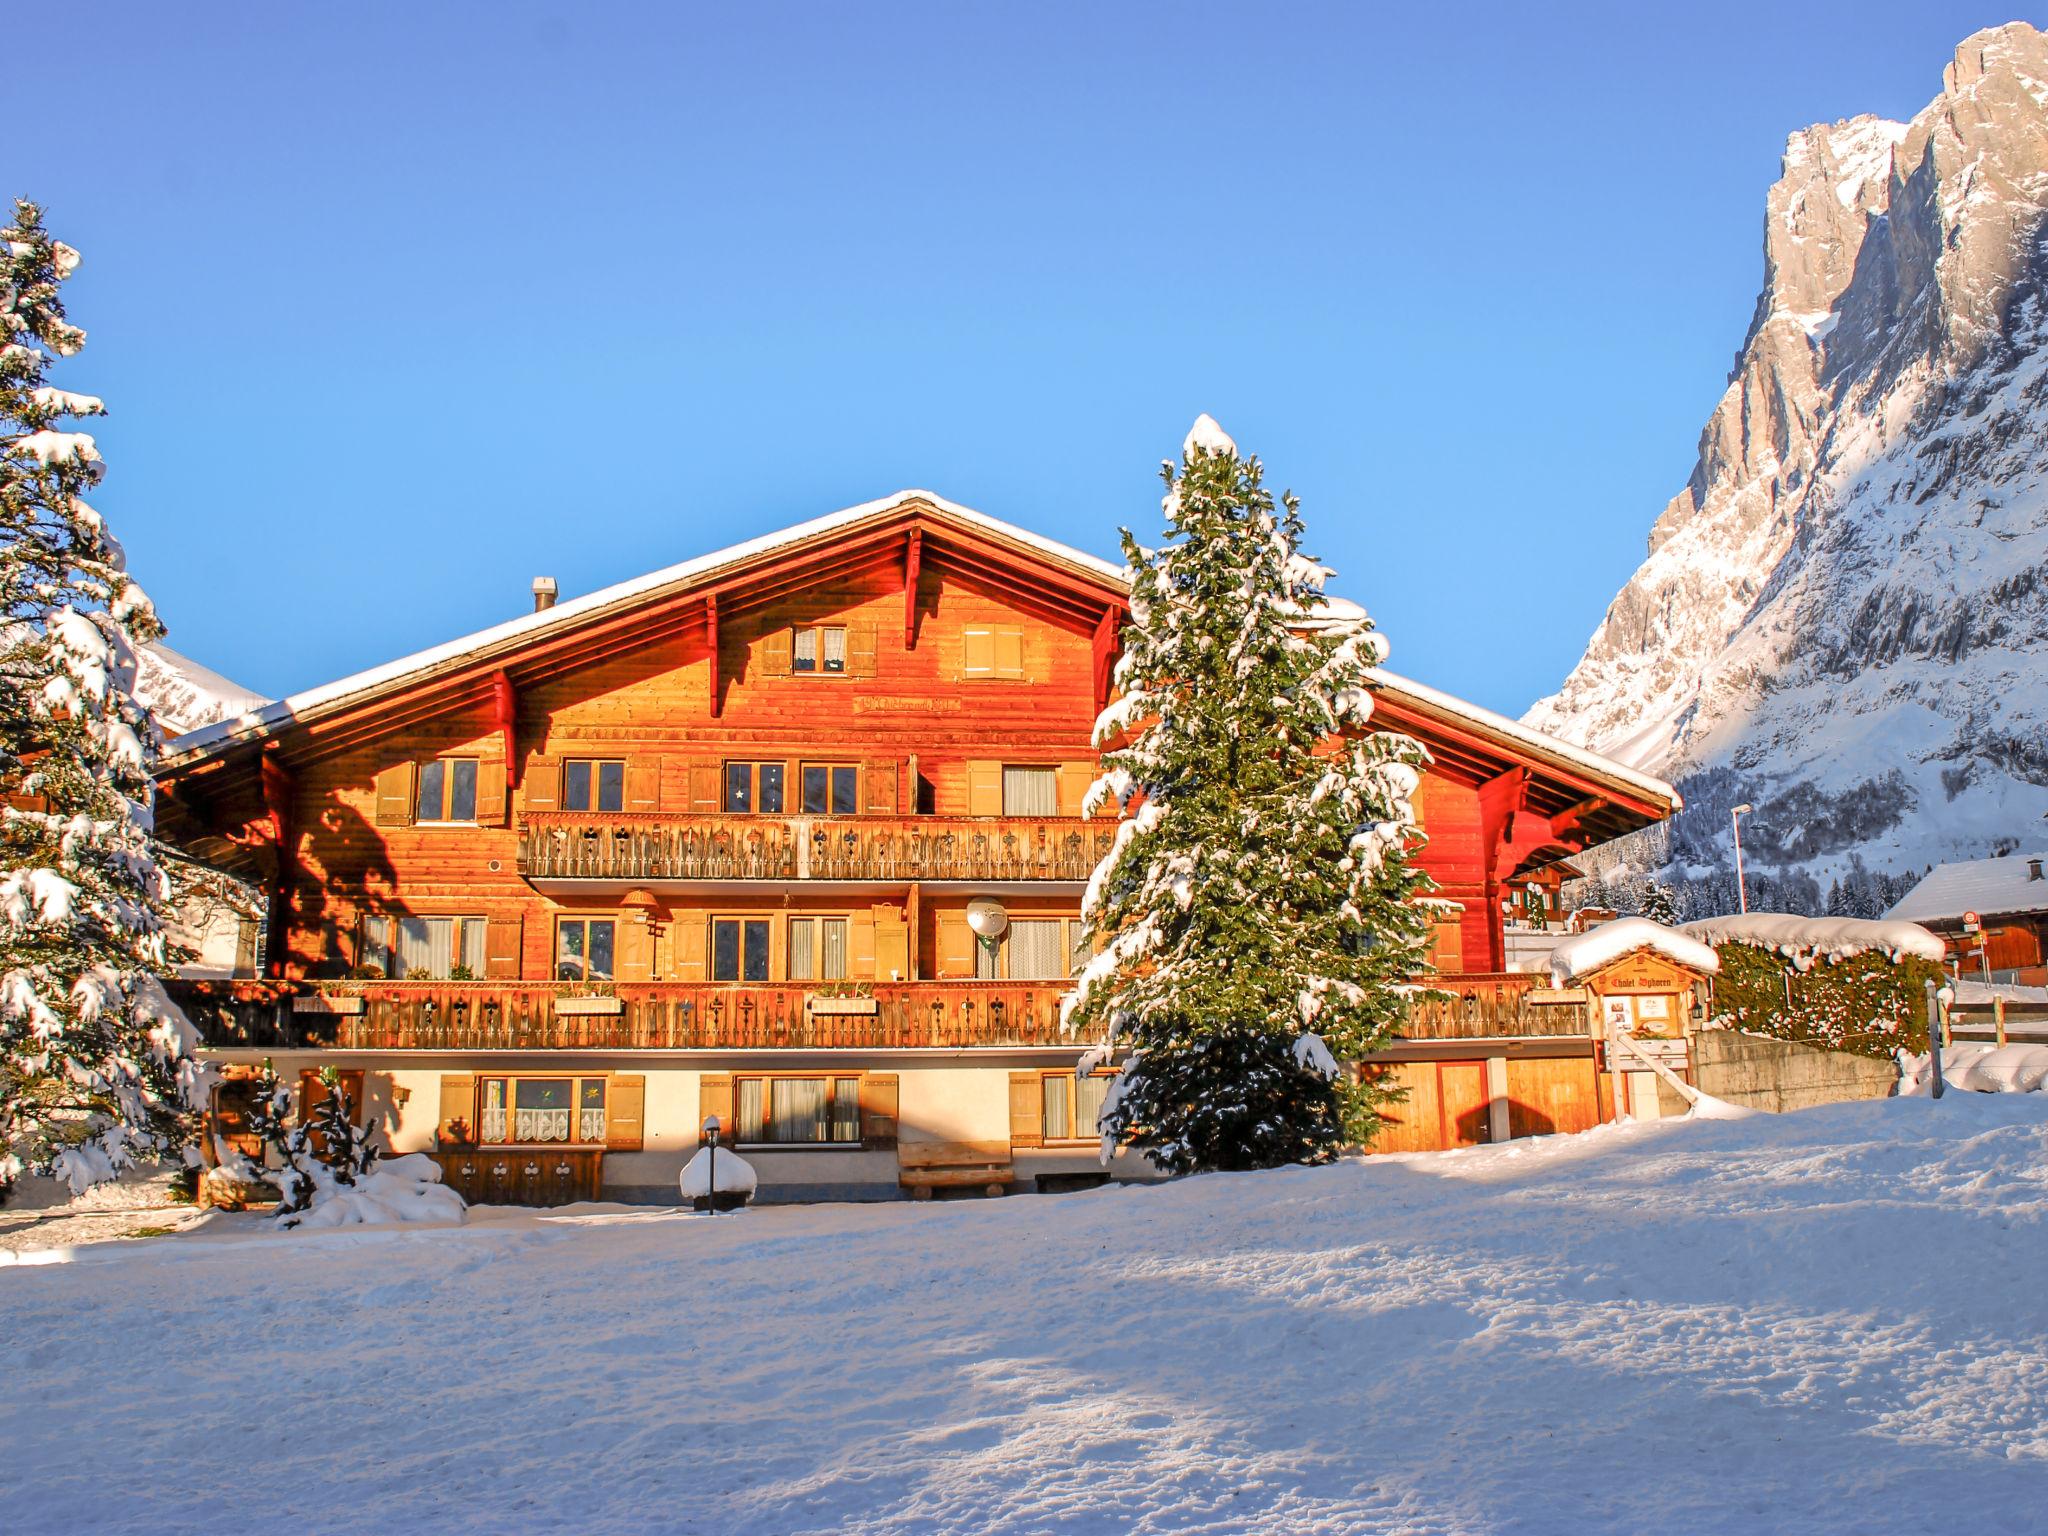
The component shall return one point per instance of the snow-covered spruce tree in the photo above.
(1258, 916)
(96, 1068)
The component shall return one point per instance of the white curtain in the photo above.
(1059, 1111)
(1031, 791)
(1035, 950)
(835, 649)
(1088, 1094)
(797, 1109)
(834, 967)
(801, 960)
(434, 945)
(748, 1110)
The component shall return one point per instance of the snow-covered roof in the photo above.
(1589, 951)
(260, 720)
(1836, 938)
(639, 588)
(1983, 886)
(185, 695)
(1526, 736)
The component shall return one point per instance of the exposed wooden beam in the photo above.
(913, 553)
(278, 787)
(1107, 638)
(711, 639)
(505, 715)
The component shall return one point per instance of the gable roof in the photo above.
(1406, 704)
(1989, 887)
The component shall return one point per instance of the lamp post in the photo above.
(1735, 820)
(711, 1129)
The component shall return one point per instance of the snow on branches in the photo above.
(1254, 920)
(96, 1067)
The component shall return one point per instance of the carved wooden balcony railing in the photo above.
(660, 1016)
(566, 845)
(1484, 1005)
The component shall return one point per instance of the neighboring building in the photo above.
(790, 834)
(2009, 897)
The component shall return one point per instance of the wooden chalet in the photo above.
(708, 842)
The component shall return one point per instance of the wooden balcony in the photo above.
(1487, 1005)
(658, 1016)
(653, 849)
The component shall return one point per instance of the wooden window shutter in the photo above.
(1009, 652)
(688, 934)
(636, 948)
(984, 789)
(956, 945)
(541, 789)
(643, 783)
(776, 648)
(978, 652)
(1074, 778)
(860, 945)
(881, 789)
(1027, 1110)
(490, 792)
(714, 1097)
(704, 796)
(395, 795)
(502, 943)
(879, 1099)
(860, 649)
(625, 1112)
(892, 945)
(458, 1102)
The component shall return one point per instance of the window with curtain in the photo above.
(423, 947)
(797, 1111)
(1037, 952)
(1030, 791)
(1072, 1105)
(817, 949)
(818, 648)
(540, 1109)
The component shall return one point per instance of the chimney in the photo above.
(2033, 869)
(543, 593)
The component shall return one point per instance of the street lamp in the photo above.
(711, 1129)
(1735, 820)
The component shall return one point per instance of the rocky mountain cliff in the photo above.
(1843, 618)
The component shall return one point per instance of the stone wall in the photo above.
(1778, 1075)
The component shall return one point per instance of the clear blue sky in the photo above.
(399, 305)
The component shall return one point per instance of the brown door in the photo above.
(1552, 1094)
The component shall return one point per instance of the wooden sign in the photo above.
(1539, 996)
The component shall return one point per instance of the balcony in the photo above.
(656, 1016)
(657, 849)
(1488, 1005)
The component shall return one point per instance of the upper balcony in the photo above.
(578, 848)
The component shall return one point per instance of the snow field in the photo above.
(1813, 1322)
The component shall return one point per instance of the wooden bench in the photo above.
(924, 1166)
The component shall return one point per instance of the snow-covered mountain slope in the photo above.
(186, 695)
(1843, 618)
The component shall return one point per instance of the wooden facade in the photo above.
(744, 806)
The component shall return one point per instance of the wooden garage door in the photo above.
(1552, 1094)
(1446, 1106)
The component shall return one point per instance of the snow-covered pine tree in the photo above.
(1258, 912)
(96, 1067)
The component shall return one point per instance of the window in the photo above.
(797, 1111)
(1029, 791)
(424, 948)
(817, 949)
(739, 949)
(831, 789)
(593, 784)
(447, 790)
(1072, 1105)
(996, 651)
(818, 648)
(583, 948)
(1034, 949)
(540, 1109)
(754, 787)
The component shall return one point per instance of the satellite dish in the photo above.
(985, 915)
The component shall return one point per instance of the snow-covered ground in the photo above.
(1827, 1321)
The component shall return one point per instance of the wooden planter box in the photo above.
(351, 1006)
(854, 1007)
(571, 1007)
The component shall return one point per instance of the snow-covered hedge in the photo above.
(1865, 1002)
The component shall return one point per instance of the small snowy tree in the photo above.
(1257, 916)
(326, 1153)
(96, 1068)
